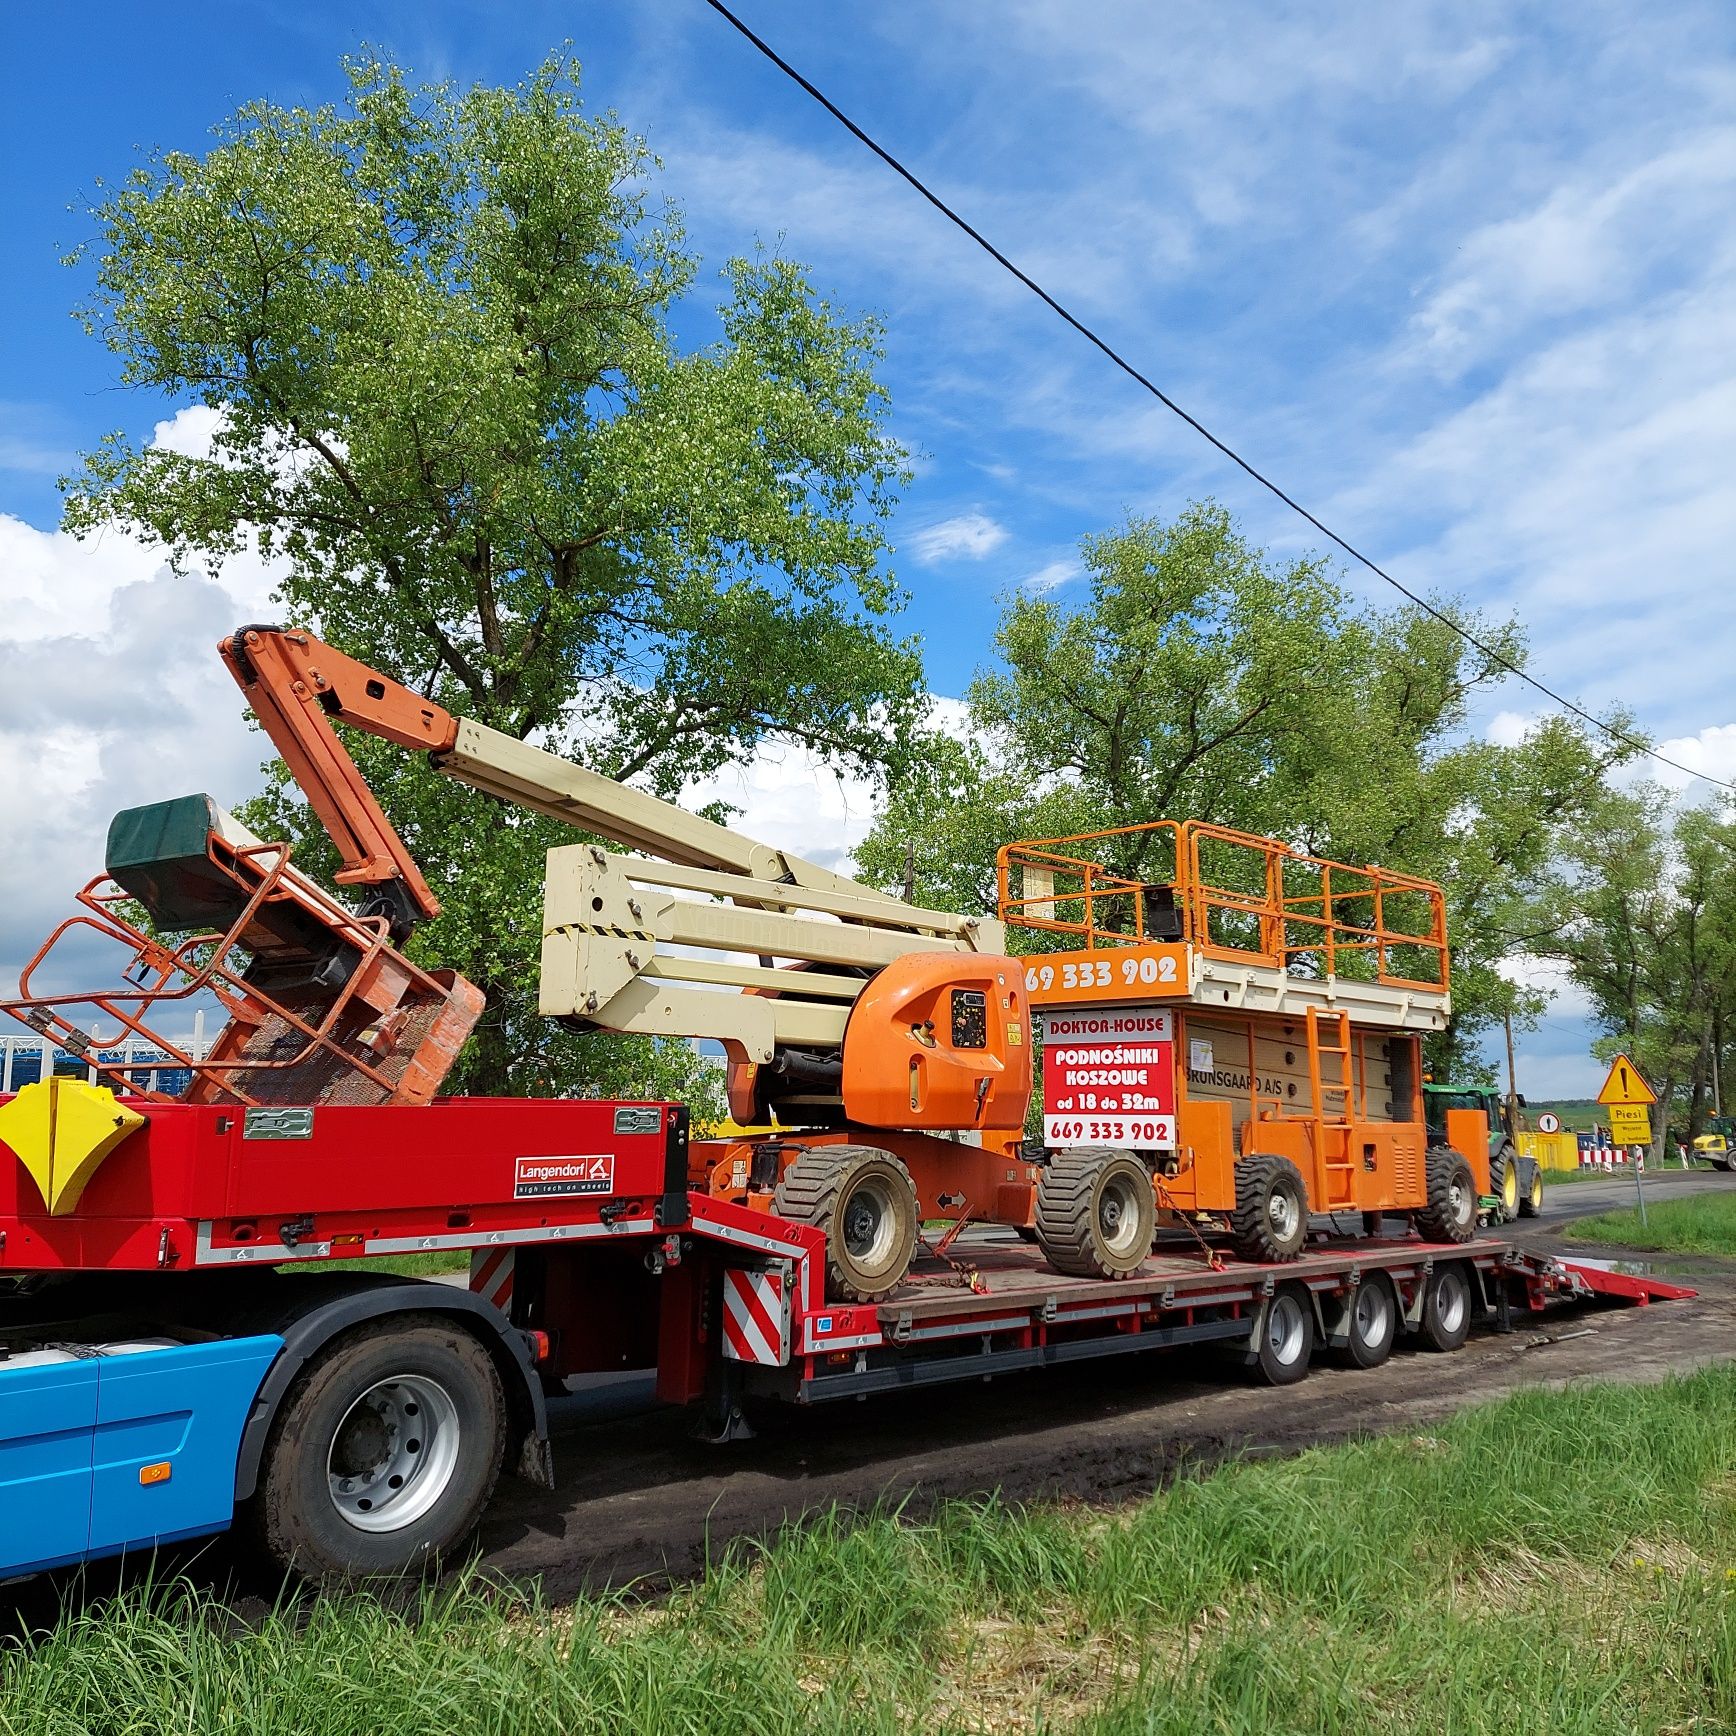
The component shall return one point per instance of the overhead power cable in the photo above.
(1618, 736)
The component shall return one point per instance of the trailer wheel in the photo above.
(1451, 1212)
(1531, 1206)
(1096, 1212)
(1373, 1322)
(864, 1200)
(1504, 1185)
(1270, 1220)
(1284, 1337)
(384, 1453)
(1447, 1309)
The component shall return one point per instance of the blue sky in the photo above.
(1461, 276)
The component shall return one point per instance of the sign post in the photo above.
(1628, 1098)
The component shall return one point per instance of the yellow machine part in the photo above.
(62, 1129)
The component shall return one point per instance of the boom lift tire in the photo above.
(1504, 1185)
(1451, 1212)
(1096, 1212)
(383, 1454)
(1531, 1206)
(1446, 1318)
(1270, 1220)
(1372, 1325)
(864, 1200)
(1284, 1336)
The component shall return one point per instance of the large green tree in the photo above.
(1198, 678)
(1652, 944)
(436, 325)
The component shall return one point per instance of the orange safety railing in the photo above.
(1231, 895)
(158, 972)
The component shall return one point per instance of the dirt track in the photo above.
(639, 1500)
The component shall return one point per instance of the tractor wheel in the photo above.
(1451, 1212)
(1096, 1212)
(1504, 1185)
(864, 1200)
(1284, 1336)
(1447, 1309)
(1531, 1206)
(1373, 1324)
(1270, 1220)
(383, 1454)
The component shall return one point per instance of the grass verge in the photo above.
(431, 1265)
(1561, 1561)
(1704, 1224)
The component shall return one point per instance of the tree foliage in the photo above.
(1652, 943)
(1200, 679)
(436, 326)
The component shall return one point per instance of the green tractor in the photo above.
(1515, 1181)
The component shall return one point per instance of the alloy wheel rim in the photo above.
(394, 1454)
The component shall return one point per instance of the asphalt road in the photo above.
(1579, 1199)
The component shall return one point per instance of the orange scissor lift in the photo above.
(1244, 1022)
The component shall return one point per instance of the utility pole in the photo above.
(1717, 1060)
(1512, 1081)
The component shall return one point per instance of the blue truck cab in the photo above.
(113, 1446)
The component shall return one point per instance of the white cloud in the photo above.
(122, 702)
(190, 431)
(971, 537)
(1509, 728)
(1711, 752)
(1052, 577)
(788, 797)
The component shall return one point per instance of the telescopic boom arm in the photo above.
(619, 948)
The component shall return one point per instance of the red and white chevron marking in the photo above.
(491, 1272)
(756, 1317)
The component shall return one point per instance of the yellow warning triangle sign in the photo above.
(1624, 1084)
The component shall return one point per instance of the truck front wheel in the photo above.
(384, 1453)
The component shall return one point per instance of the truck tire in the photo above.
(1270, 1220)
(1504, 1185)
(1446, 1308)
(1451, 1212)
(1531, 1200)
(1284, 1336)
(865, 1202)
(1372, 1324)
(1096, 1212)
(383, 1454)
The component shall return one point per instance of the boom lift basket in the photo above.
(321, 1008)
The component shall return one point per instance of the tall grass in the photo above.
(1559, 1561)
(1702, 1224)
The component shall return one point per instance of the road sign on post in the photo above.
(1624, 1084)
(1628, 1098)
(1630, 1124)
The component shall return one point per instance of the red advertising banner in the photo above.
(1109, 1077)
